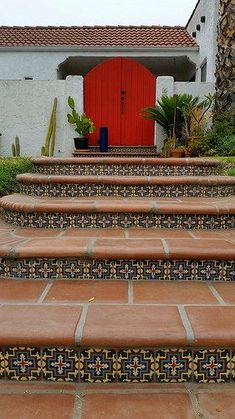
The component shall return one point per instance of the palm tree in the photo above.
(225, 76)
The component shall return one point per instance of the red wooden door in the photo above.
(115, 92)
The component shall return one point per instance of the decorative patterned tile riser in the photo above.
(117, 153)
(159, 270)
(135, 149)
(124, 170)
(91, 365)
(129, 191)
(121, 220)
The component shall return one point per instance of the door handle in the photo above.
(122, 101)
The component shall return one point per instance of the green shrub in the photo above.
(226, 146)
(218, 140)
(231, 172)
(9, 168)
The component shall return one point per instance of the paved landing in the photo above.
(175, 314)
(123, 401)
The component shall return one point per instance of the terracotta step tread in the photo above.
(128, 326)
(119, 248)
(125, 160)
(8, 232)
(126, 401)
(98, 292)
(26, 203)
(32, 178)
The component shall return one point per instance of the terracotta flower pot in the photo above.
(177, 153)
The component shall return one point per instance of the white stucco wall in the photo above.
(207, 36)
(42, 63)
(195, 89)
(25, 109)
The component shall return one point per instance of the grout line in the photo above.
(130, 293)
(165, 247)
(44, 293)
(191, 234)
(216, 295)
(80, 325)
(186, 324)
(90, 247)
(195, 402)
(61, 234)
(77, 413)
(126, 233)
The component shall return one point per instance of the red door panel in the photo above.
(102, 87)
(139, 86)
(116, 91)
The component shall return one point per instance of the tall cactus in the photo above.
(16, 147)
(49, 145)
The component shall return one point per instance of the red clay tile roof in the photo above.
(96, 36)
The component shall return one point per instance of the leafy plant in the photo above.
(9, 168)
(218, 140)
(84, 124)
(226, 146)
(169, 113)
(196, 115)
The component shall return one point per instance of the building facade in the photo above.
(112, 73)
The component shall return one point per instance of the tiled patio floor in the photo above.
(171, 313)
(121, 401)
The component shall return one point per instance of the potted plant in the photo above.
(178, 151)
(84, 125)
(168, 113)
(196, 118)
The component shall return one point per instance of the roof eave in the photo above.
(192, 14)
(74, 48)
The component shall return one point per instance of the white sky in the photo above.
(95, 12)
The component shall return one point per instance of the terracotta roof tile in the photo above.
(96, 36)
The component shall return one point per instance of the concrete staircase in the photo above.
(119, 270)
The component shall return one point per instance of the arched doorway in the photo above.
(115, 92)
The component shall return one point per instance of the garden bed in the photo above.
(9, 168)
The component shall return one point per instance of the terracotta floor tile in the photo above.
(36, 406)
(36, 232)
(213, 326)
(172, 293)
(218, 405)
(203, 249)
(132, 406)
(35, 325)
(214, 234)
(128, 248)
(10, 386)
(110, 291)
(53, 247)
(226, 290)
(94, 232)
(27, 290)
(155, 387)
(133, 326)
(157, 233)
